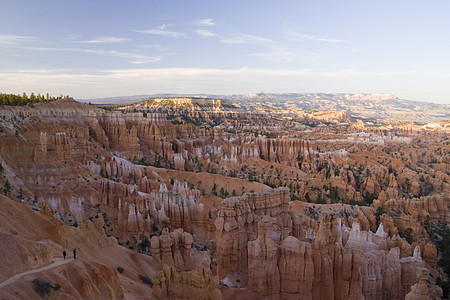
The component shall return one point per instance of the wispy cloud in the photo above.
(286, 54)
(159, 47)
(72, 37)
(295, 36)
(44, 71)
(9, 40)
(135, 58)
(161, 30)
(244, 72)
(246, 39)
(205, 22)
(113, 82)
(205, 33)
(249, 72)
(105, 39)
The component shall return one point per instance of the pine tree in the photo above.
(7, 187)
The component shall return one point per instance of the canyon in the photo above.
(372, 107)
(215, 198)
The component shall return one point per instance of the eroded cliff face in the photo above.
(260, 236)
(31, 246)
(317, 212)
(339, 264)
(195, 284)
(263, 272)
(421, 290)
(237, 221)
(173, 249)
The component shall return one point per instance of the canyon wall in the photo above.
(255, 235)
(237, 221)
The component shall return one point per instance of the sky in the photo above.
(92, 48)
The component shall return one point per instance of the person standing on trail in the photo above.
(64, 254)
(74, 253)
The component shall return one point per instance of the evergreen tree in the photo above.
(7, 187)
(21, 100)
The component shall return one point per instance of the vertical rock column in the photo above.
(296, 269)
(420, 290)
(263, 273)
(229, 258)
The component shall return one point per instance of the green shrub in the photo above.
(7, 187)
(146, 280)
(380, 211)
(445, 286)
(120, 270)
(165, 223)
(57, 287)
(43, 288)
(444, 248)
(407, 235)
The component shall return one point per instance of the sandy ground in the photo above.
(57, 262)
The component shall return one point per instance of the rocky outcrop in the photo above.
(173, 249)
(121, 136)
(334, 116)
(263, 273)
(93, 280)
(296, 268)
(237, 221)
(409, 267)
(339, 263)
(57, 145)
(78, 160)
(34, 241)
(139, 212)
(421, 290)
(433, 207)
(282, 150)
(197, 284)
(336, 269)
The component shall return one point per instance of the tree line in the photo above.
(24, 99)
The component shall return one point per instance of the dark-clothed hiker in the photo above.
(75, 253)
(64, 254)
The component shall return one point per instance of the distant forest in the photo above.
(21, 100)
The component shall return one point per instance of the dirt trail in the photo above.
(58, 261)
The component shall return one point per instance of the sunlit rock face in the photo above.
(173, 249)
(237, 223)
(263, 272)
(339, 263)
(294, 204)
(421, 290)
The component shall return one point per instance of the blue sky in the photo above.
(89, 49)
